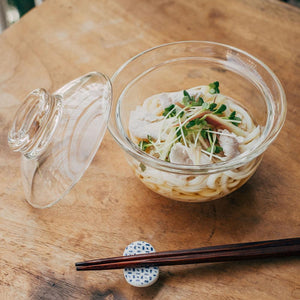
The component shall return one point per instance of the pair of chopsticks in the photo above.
(221, 253)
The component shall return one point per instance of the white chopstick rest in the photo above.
(140, 277)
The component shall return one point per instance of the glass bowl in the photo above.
(182, 65)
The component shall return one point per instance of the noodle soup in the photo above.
(198, 126)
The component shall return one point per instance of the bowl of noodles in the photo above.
(194, 118)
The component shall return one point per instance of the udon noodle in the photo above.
(198, 126)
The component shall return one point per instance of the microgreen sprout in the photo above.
(181, 114)
(233, 116)
(212, 106)
(200, 100)
(204, 133)
(214, 149)
(170, 111)
(220, 110)
(186, 94)
(189, 100)
(146, 144)
(191, 124)
(197, 102)
(214, 87)
(179, 131)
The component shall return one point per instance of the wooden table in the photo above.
(109, 208)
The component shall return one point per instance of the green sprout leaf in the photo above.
(170, 111)
(212, 106)
(204, 133)
(232, 115)
(181, 115)
(220, 110)
(186, 94)
(214, 87)
(216, 149)
(191, 124)
(189, 100)
(209, 149)
(178, 132)
(144, 144)
(186, 101)
(200, 100)
(234, 118)
(201, 121)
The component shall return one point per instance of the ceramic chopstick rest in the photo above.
(140, 277)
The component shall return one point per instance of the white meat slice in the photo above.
(204, 159)
(166, 99)
(229, 143)
(197, 156)
(143, 123)
(145, 115)
(179, 154)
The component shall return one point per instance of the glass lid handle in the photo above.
(35, 123)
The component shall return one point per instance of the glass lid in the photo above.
(59, 135)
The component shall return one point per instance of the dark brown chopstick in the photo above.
(232, 252)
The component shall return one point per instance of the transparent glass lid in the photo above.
(59, 135)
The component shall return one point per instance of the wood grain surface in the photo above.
(109, 208)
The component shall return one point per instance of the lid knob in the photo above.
(35, 123)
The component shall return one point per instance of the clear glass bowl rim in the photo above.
(240, 160)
